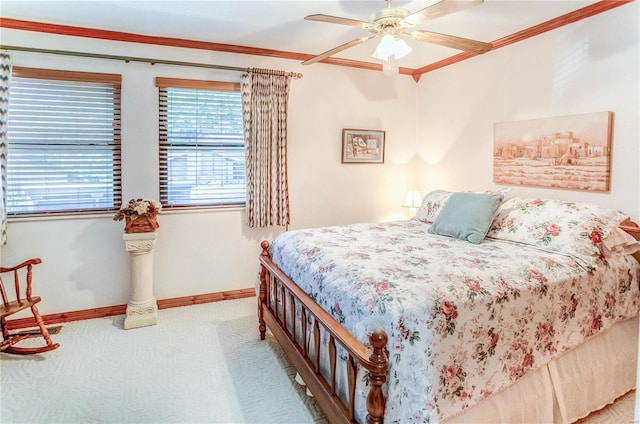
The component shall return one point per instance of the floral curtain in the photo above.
(5, 76)
(265, 97)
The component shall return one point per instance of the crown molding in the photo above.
(583, 13)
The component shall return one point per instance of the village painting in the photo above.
(569, 152)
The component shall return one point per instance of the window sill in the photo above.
(102, 215)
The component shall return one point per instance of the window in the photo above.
(64, 142)
(202, 160)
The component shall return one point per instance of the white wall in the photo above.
(84, 262)
(439, 135)
(588, 66)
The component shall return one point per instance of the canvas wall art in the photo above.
(567, 152)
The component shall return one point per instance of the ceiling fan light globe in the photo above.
(402, 49)
(385, 48)
(391, 46)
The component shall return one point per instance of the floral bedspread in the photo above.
(464, 321)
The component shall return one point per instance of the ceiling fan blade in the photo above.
(452, 41)
(439, 9)
(337, 50)
(338, 20)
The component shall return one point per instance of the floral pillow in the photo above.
(560, 226)
(435, 200)
(497, 190)
(431, 205)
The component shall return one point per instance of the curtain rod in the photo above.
(128, 59)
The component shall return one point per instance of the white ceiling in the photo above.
(280, 25)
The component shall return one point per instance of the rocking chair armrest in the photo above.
(33, 261)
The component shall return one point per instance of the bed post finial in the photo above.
(265, 248)
(377, 376)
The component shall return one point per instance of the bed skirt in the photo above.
(570, 387)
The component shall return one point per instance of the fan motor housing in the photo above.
(390, 18)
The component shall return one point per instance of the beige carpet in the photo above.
(620, 412)
(199, 364)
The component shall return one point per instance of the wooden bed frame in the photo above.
(273, 307)
(277, 301)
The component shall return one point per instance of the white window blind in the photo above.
(202, 159)
(64, 143)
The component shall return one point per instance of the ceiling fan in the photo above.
(393, 22)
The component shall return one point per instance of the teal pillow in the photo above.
(467, 216)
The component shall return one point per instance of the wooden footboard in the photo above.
(277, 302)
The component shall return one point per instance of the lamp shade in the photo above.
(413, 199)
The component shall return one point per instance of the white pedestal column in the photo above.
(142, 309)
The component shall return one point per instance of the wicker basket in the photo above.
(142, 224)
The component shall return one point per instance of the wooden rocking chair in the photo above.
(21, 301)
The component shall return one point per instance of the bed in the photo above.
(479, 309)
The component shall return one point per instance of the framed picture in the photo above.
(362, 146)
(565, 152)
